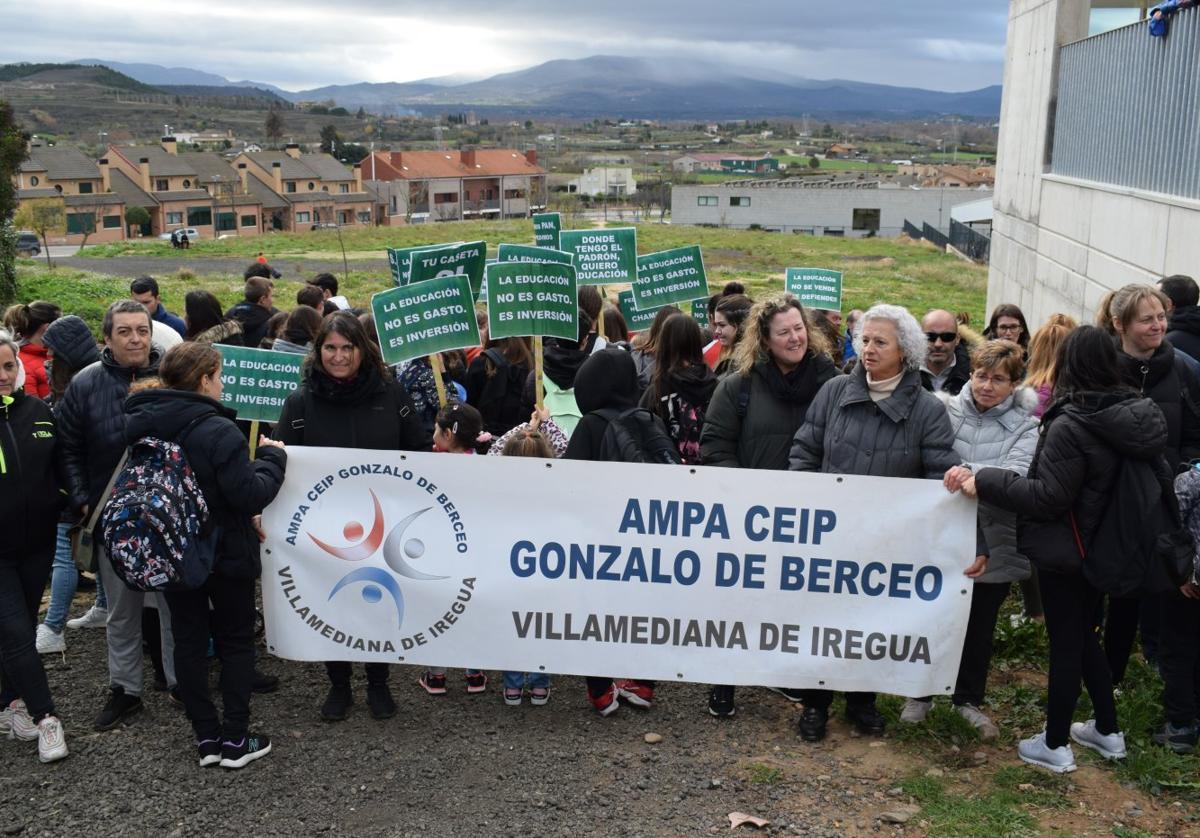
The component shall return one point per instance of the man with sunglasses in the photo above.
(948, 366)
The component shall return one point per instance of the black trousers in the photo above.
(986, 601)
(340, 671)
(22, 582)
(821, 699)
(1031, 595)
(230, 622)
(1179, 657)
(1075, 655)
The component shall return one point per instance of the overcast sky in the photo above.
(298, 44)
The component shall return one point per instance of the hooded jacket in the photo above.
(367, 412)
(91, 424)
(33, 358)
(606, 380)
(30, 496)
(227, 333)
(1004, 436)
(906, 435)
(762, 436)
(234, 487)
(682, 408)
(72, 342)
(1171, 384)
(253, 318)
(561, 362)
(1184, 333)
(1078, 456)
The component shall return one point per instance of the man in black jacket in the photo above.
(92, 439)
(1184, 331)
(254, 310)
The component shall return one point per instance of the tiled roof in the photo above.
(96, 199)
(449, 164)
(184, 195)
(210, 167)
(162, 164)
(268, 197)
(38, 192)
(63, 163)
(326, 168)
(291, 168)
(130, 191)
(717, 158)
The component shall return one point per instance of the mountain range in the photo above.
(606, 85)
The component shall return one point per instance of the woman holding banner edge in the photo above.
(348, 399)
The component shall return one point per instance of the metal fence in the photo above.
(970, 242)
(933, 234)
(912, 230)
(1128, 110)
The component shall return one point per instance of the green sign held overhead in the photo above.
(638, 320)
(815, 287)
(255, 382)
(532, 299)
(425, 318)
(670, 276)
(525, 253)
(465, 259)
(400, 260)
(602, 257)
(546, 227)
(700, 312)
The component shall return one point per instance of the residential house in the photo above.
(316, 189)
(608, 180)
(170, 182)
(950, 175)
(841, 150)
(704, 162)
(54, 172)
(420, 186)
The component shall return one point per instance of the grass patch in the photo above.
(992, 813)
(764, 775)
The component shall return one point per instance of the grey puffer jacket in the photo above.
(1005, 437)
(906, 435)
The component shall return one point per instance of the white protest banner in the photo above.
(712, 575)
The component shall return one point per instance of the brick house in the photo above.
(89, 204)
(315, 189)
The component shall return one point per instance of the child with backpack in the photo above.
(527, 442)
(682, 385)
(495, 383)
(614, 428)
(1179, 647)
(458, 429)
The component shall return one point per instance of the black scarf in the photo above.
(799, 386)
(351, 391)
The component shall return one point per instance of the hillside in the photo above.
(72, 74)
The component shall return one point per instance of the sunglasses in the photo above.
(944, 337)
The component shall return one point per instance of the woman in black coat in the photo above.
(29, 505)
(188, 412)
(1094, 421)
(348, 399)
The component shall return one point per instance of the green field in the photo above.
(887, 270)
(834, 164)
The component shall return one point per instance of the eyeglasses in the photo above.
(1010, 327)
(994, 380)
(944, 337)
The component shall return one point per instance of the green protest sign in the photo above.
(815, 287)
(400, 260)
(546, 227)
(700, 312)
(526, 253)
(255, 382)
(602, 257)
(424, 318)
(532, 299)
(638, 320)
(465, 259)
(670, 276)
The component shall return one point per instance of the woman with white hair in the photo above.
(878, 421)
(29, 506)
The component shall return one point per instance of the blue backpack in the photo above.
(155, 525)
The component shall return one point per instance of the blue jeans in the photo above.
(517, 680)
(64, 579)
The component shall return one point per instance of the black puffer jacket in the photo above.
(1079, 453)
(1170, 383)
(234, 487)
(606, 380)
(91, 425)
(30, 496)
(1184, 334)
(70, 339)
(367, 412)
(762, 437)
(253, 318)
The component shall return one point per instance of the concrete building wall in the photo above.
(816, 210)
(1059, 244)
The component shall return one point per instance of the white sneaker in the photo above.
(915, 711)
(52, 744)
(1109, 746)
(15, 722)
(1035, 751)
(94, 618)
(979, 720)
(50, 641)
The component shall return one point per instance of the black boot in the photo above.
(812, 724)
(337, 703)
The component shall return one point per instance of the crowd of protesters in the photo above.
(1034, 422)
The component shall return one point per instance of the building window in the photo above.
(187, 184)
(58, 188)
(112, 222)
(85, 189)
(311, 186)
(303, 218)
(739, 202)
(364, 218)
(344, 188)
(291, 186)
(225, 221)
(513, 193)
(174, 218)
(81, 222)
(445, 197)
(866, 219)
(33, 180)
(162, 185)
(836, 232)
(249, 220)
(199, 216)
(343, 217)
(707, 201)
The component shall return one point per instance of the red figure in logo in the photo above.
(352, 530)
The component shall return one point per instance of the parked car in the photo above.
(28, 245)
(192, 233)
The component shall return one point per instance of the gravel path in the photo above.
(135, 266)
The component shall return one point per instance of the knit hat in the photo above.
(72, 342)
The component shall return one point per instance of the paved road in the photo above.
(134, 266)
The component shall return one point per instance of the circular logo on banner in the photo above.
(392, 531)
